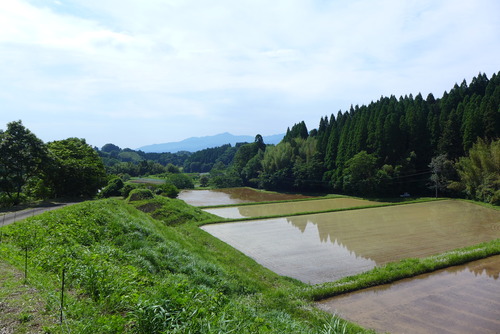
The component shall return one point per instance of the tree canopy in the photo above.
(22, 157)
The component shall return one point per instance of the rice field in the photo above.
(325, 247)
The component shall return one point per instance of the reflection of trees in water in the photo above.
(416, 230)
(325, 235)
(490, 269)
(252, 195)
(299, 222)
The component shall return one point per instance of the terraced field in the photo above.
(325, 247)
(461, 299)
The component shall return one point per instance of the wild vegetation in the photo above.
(126, 272)
(389, 147)
(31, 168)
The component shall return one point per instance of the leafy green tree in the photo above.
(224, 177)
(113, 188)
(480, 172)
(250, 173)
(359, 174)
(79, 172)
(22, 157)
(442, 173)
(167, 189)
(204, 179)
(181, 181)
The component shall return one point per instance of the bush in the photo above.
(127, 189)
(140, 194)
(168, 190)
(204, 180)
(181, 181)
(113, 188)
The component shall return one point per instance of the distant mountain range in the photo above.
(194, 144)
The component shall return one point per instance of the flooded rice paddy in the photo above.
(232, 196)
(325, 247)
(275, 209)
(462, 299)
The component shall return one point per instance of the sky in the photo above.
(140, 72)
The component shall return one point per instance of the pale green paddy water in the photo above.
(232, 196)
(325, 247)
(274, 209)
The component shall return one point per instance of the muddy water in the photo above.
(462, 299)
(326, 247)
(232, 196)
(260, 210)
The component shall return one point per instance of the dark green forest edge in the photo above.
(425, 147)
(143, 265)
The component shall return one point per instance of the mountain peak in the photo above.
(194, 144)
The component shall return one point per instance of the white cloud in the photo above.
(220, 61)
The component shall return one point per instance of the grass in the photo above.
(129, 273)
(406, 268)
(147, 267)
(22, 308)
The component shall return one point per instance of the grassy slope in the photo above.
(127, 272)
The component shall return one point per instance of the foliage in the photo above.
(23, 157)
(128, 273)
(180, 180)
(167, 189)
(403, 269)
(443, 172)
(480, 172)
(78, 169)
(399, 138)
(359, 174)
(204, 160)
(298, 130)
(224, 177)
(139, 195)
(113, 188)
(127, 188)
(204, 179)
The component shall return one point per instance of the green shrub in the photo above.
(168, 190)
(113, 188)
(140, 194)
(181, 181)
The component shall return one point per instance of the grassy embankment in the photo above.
(127, 272)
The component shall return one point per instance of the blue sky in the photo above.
(139, 72)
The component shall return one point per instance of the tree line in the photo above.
(387, 148)
(31, 168)
(446, 145)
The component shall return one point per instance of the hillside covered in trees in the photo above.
(394, 145)
(421, 146)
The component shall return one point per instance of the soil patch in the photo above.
(22, 310)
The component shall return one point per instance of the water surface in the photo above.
(232, 196)
(461, 299)
(326, 247)
(275, 209)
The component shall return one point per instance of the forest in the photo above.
(447, 146)
(431, 146)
